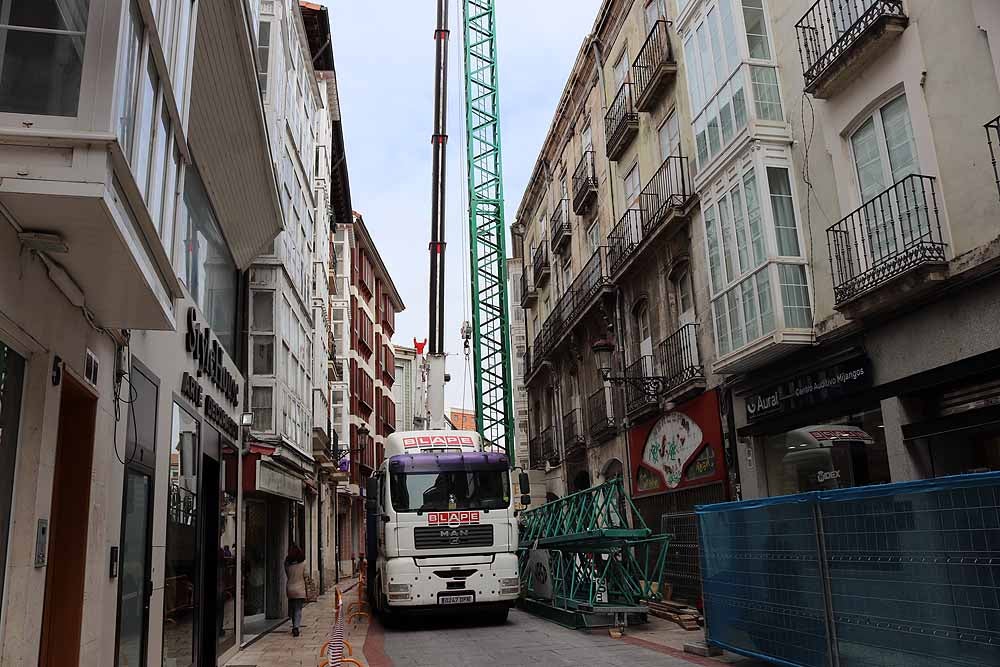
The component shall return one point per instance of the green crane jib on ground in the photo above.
(487, 252)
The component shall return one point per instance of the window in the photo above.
(587, 137)
(654, 12)
(131, 43)
(795, 295)
(694, 74)
(753, 217)
(155, 189)
(205, 265)
(884, 149)
(594, 237)
(622, 67)
(766, 96)
(728, 240)
(146, 125)
(262, 407)
(729, 38)
(632, 185)
(643, 333)
(784, 212)
(263, 355)
(263, 55)
(756, 24)
(41, 64)
(682, 290)
(670, 137)
(714, 253)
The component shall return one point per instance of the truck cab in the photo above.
(442, 526)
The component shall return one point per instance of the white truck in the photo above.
(442, 530)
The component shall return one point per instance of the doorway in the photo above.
(62, 614)
(11, 381)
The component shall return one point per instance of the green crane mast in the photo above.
(487, 234)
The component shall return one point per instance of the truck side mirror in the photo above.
(371, 494)
(524, 482)
(526, 499)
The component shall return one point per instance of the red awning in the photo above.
(260, 448)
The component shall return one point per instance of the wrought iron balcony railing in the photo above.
(550, 451)
(529, 295)
(636, 399)
(624, 238)
(573, 434)
(592, 279)
(560, 230)
(893, 233)
(601, 420)
(667, 191)
(654, 67)
(678, 359)
(584, 183)
(540, 264)
(536, 457)
(526, 363)
(993, 139)
(621, 123)
(835, 36)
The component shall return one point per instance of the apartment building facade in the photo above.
(519, 348)
(410, 388)
(895, 204)
(614, 288)
(137, 185)
(374, 304)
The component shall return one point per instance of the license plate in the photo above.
(455, 599)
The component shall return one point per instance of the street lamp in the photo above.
(363, 433)
(652, 386)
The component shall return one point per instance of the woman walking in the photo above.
(295, 589)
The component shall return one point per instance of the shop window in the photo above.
(843, 452)
(180, 581)
(42, 61)
(11, 380)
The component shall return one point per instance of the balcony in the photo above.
(601, 421)
(624, 239)
(590, 284)
(526, 364)
(837, 38)
(529, 295)
(993, 139)
(573, 434)
(584, 184)
(560, 230)
(621, 123)
(679, 363)
(891, 236)
(536, 460)
(540, 265)
(638, 401)
(655, 68)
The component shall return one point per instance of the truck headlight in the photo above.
(399, 592)
(510, 585)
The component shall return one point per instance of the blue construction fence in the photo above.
(893, 575)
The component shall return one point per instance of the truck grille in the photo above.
(428, 537)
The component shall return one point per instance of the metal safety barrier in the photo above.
(893, 574)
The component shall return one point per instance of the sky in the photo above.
(384, 55)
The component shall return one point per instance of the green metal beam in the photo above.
(487, 252)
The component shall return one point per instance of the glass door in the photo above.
(134, 588)
(11, 379)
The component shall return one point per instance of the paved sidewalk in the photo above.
(279, 648)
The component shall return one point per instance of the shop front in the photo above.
(273, 518)
(181, 451)
(677, 461)
(817, 426)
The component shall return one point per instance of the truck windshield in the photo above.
(474, 490)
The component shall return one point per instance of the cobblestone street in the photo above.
(469, 641)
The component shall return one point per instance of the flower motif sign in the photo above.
(670, 445)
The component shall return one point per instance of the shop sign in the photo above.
(681, 448)
(810, 389)
(192, 390)
(206, 350)
(278, 482)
